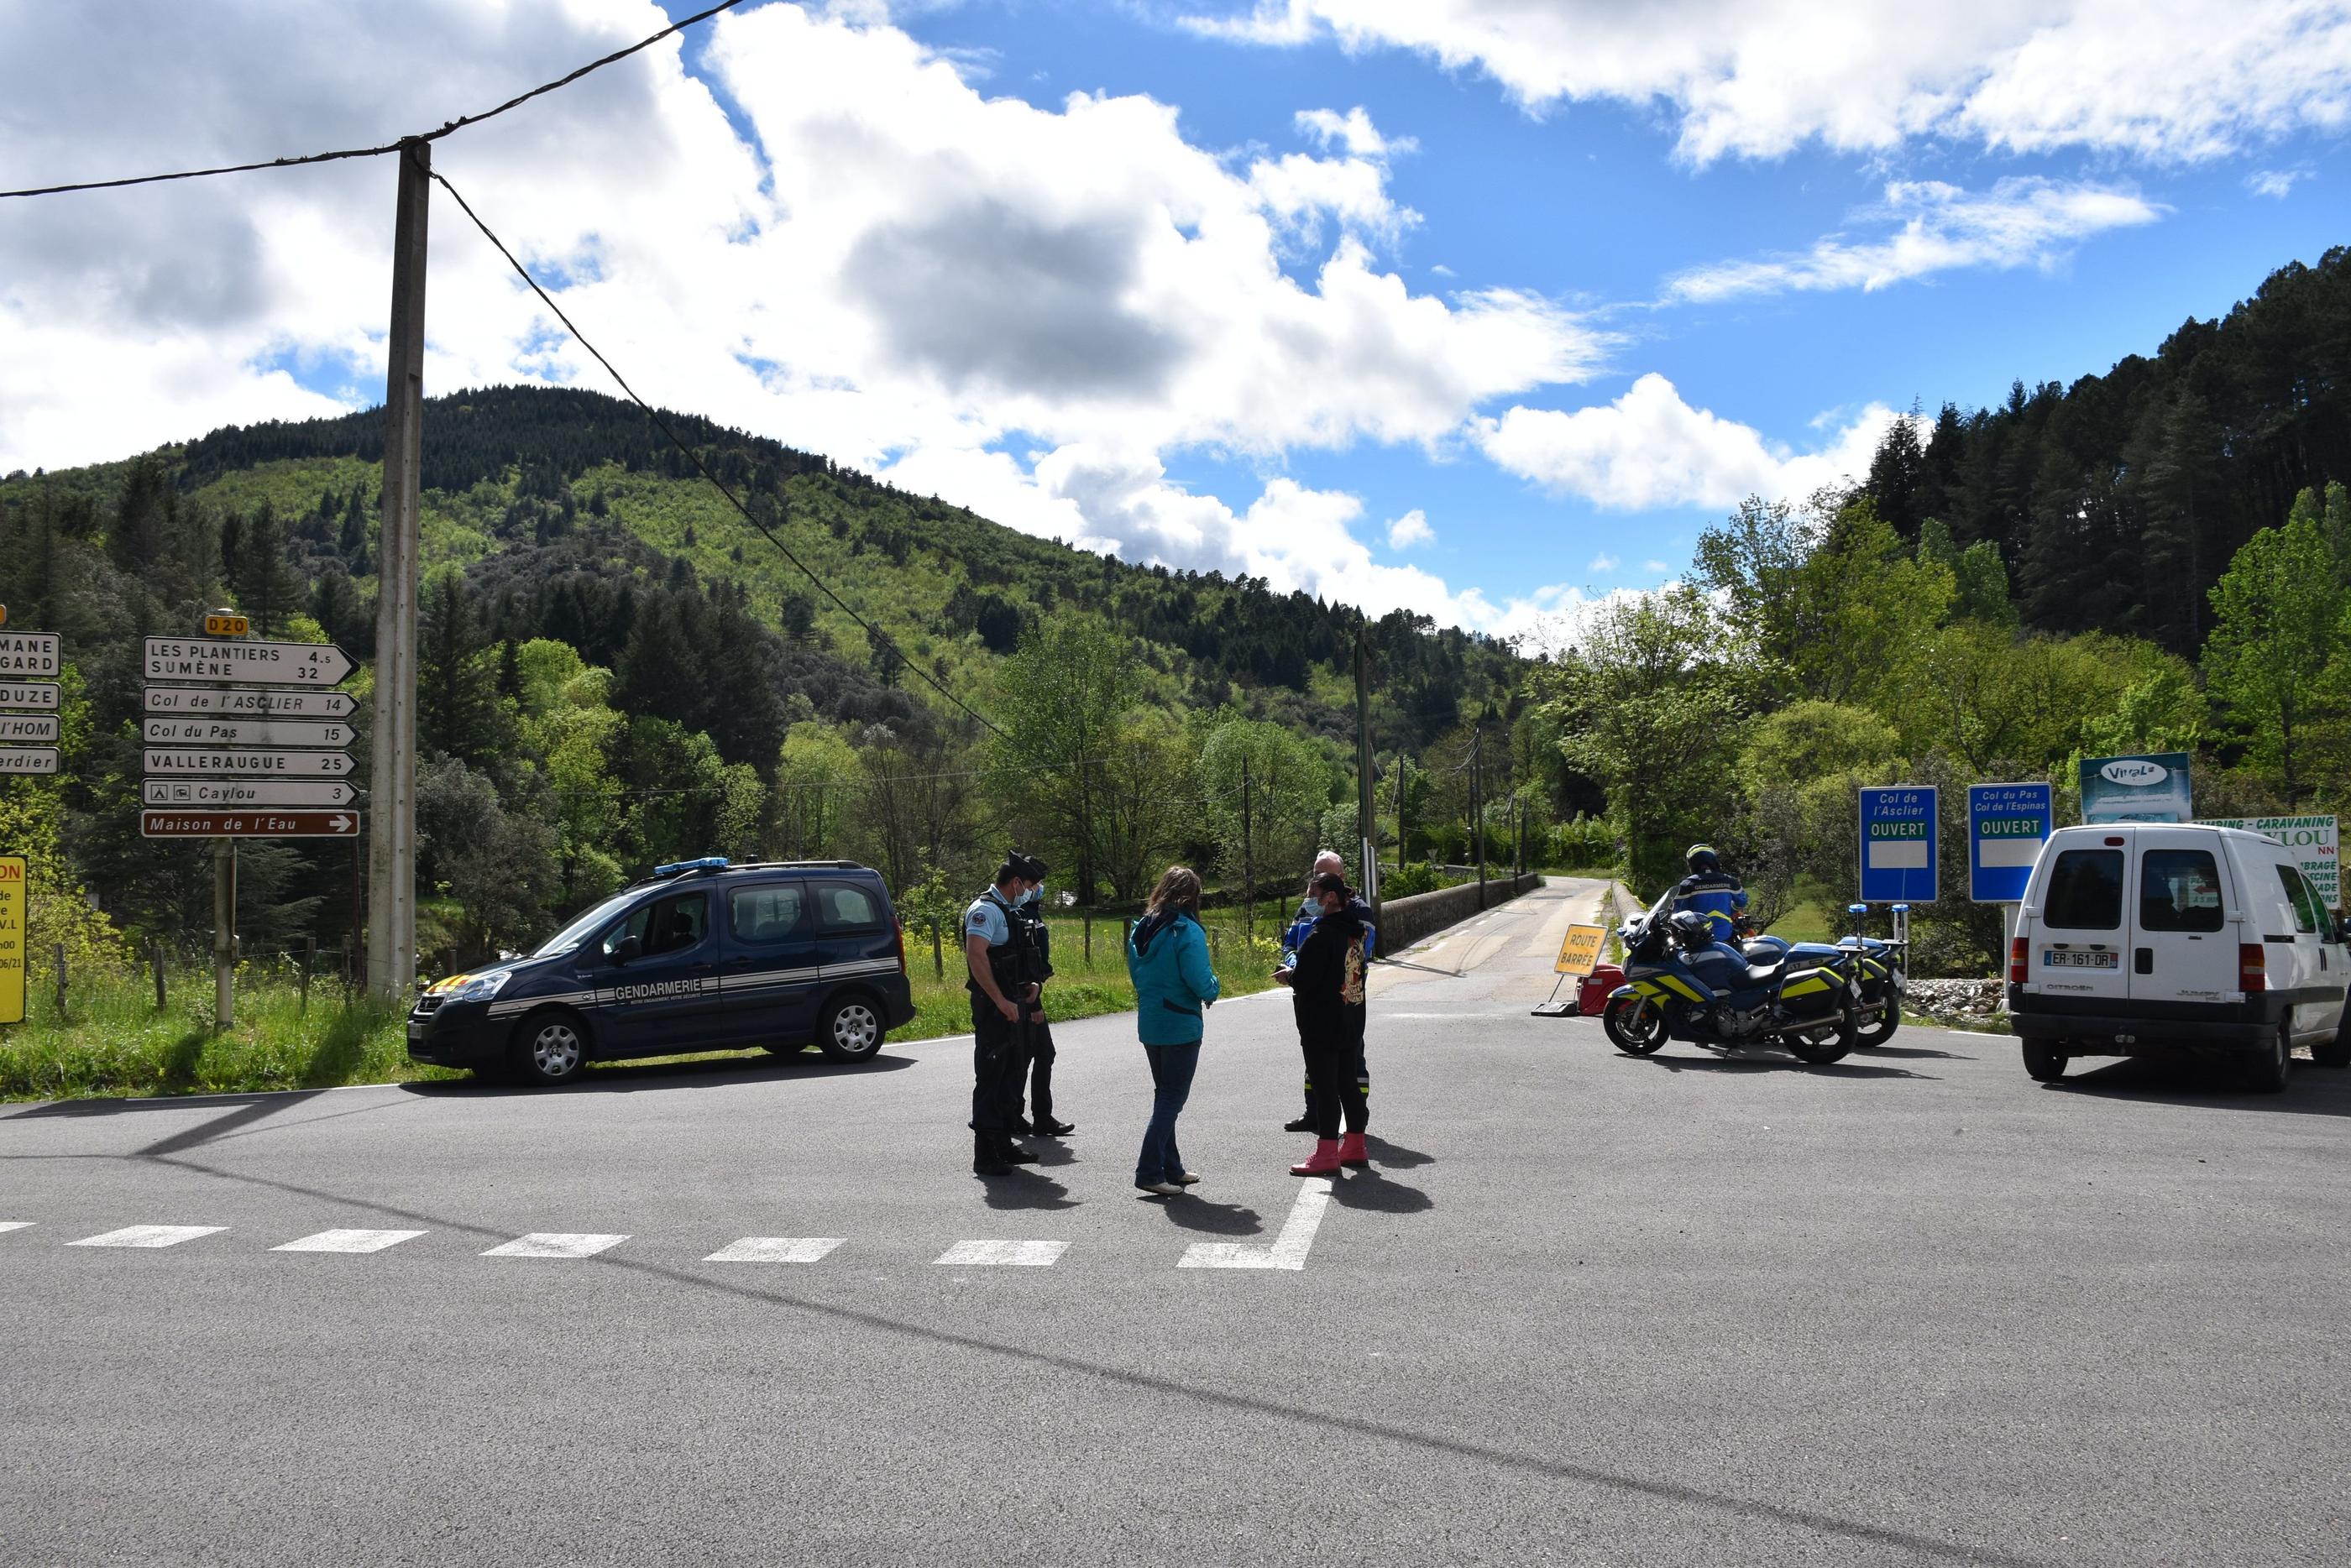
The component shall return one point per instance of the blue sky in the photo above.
(1553, 281)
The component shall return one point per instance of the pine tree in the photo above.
(268, 588)
(458, 707)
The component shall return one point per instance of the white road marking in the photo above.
(775, 1250)
(1289, 1248)
(1016, 1254)
(18, 1224)
(348, 1241)
(556, 1244)
(148, 1236)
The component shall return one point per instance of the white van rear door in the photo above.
(2075, 944)
(2310, 957)
(2183, 944)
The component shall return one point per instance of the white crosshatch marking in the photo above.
(1003, 1254)
(148, 1236)
(775, 1250)
(556, 1244)
(1289, 1248)
(348, 1241)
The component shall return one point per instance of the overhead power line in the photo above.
(879, 639)
(460, 123)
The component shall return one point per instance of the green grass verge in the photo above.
(112, 1039)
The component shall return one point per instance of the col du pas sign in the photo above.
(2149, 788)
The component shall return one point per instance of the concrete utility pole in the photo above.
(1249, 859)
(392, 812)
(224, 933)
(1478, 809)
(1366, 824)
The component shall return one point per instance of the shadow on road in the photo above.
(1847, 1068)
(2313, 1091)
(1395, 1156)
(1915, 1051)
(629, 1078)
(1212, 1219)
(1369, 1189)
(1024, 1189)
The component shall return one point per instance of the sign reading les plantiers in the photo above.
(269, 663)
(2152, 787)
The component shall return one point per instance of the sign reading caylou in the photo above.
(2007, 823)
(2148, 788)
(2309, 839)
(1899, 843)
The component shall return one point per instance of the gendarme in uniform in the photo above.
(994, 1048)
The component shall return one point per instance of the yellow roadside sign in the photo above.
(3, 614)
(1581, 951)
(12, 938)
(227, 626)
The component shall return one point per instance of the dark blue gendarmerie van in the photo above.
(702, 956)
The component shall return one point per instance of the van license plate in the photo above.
(2053, 959)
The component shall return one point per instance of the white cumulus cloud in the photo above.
(2025, 220)
(1650, 449)
(1410, 530)
(2174, 79)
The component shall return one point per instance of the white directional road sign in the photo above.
(248, 792)
(23, 653)
(18, 728)
(41, 695)
(269, 663)
(173, 731)
(248, 763)
(243, 703)
(29, 759)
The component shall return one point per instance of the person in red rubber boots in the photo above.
(1328, 984)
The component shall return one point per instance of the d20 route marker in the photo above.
(42, 696)
(248, 763)
(29, 759)
(247, 792)
(174, 730)
(241, 701)
(241, 824)
(23, 653)
(319, 664)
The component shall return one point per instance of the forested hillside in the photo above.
(617, 670)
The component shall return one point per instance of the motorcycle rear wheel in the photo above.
(1841, 1037)
(1880, 1031)
(1635, 1025)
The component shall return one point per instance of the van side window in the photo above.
(775, 913)
(2085, 891)
(2179, 890)
(664, 926)
(2298, 898)
(843, 906)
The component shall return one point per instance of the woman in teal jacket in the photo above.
(1167, 958)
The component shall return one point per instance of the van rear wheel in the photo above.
(2267, 1072)
(2044, 1061)
(851, 1030)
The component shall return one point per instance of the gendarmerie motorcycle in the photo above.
(1879, 967)
(1680, 983)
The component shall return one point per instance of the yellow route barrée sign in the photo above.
(1581, 951)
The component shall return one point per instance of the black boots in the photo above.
(987, 1156)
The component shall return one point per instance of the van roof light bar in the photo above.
(678, 868)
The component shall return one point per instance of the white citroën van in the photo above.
(2137, 938)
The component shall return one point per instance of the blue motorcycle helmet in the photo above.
(1701, 859)
(1692, 929)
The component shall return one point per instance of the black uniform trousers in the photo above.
(1032, 1064)
(994, 1049)
(1347, 1073)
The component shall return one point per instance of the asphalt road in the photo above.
(1587, 1309)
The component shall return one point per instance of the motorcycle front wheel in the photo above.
(1825, 1043)
(1635, 1025)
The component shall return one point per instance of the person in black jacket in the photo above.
(1328, 987)
(1309, 909)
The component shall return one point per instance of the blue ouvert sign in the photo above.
(1898, 845)
(2007, 823)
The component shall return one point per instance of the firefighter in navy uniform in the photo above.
(1002, 977)
(1712, 892)
(1033, 1037)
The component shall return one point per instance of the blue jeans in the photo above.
(1171, 1076)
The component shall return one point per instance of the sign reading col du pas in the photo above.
(2007, 823)
(1899, 843)
(2148, 788)
(2311, 840)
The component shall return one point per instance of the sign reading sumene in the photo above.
(267, 663)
